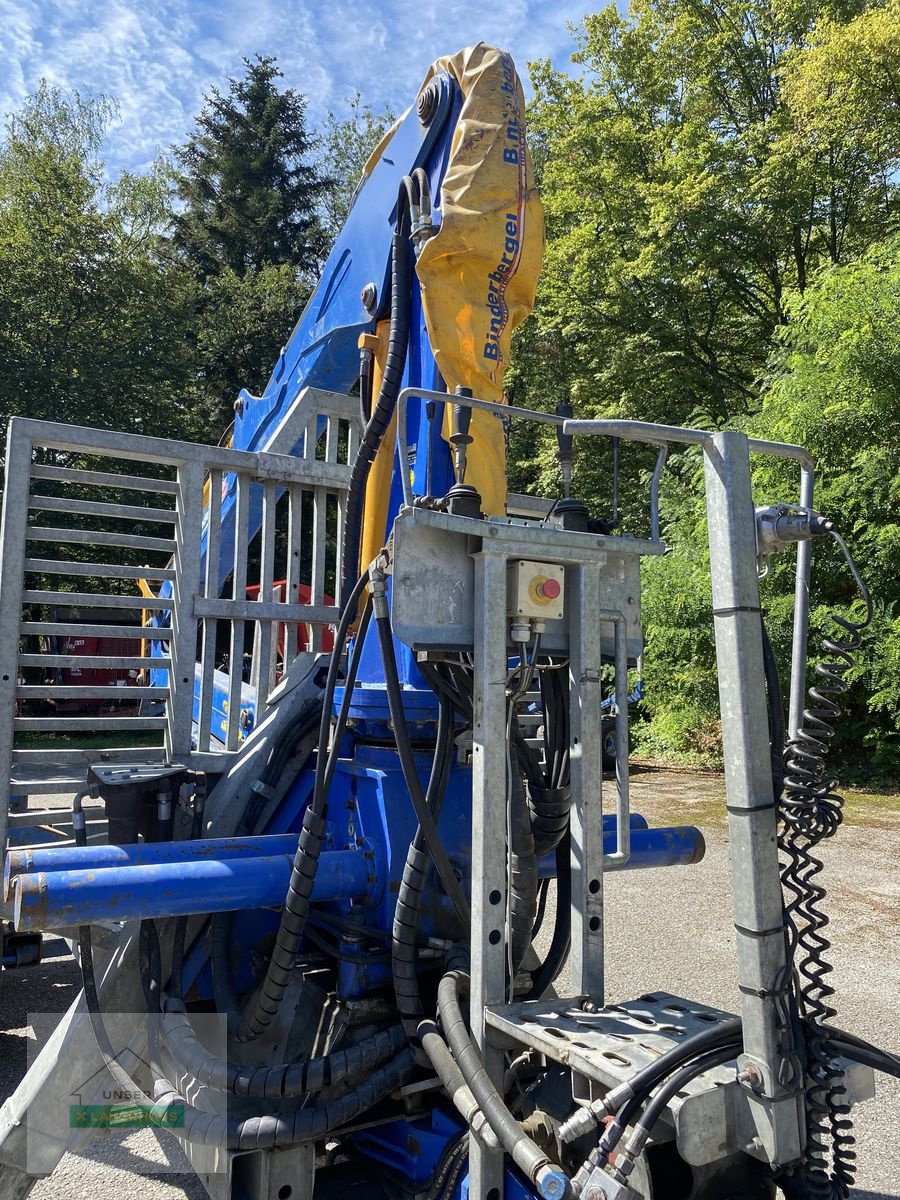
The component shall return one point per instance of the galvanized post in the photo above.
(586, 780)
(772, 1081)
(12, 549)
(489, 784)
(179, 709)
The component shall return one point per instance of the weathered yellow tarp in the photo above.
(479, 273)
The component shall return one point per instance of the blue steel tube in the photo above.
(91, 858)
(675, 846)
(61, 899)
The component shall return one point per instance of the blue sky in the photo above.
(158, 57)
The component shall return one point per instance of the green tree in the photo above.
(721, 192)
(247, 223)
(836, 391)
(93, 322)
(246, 181)
(688, 191)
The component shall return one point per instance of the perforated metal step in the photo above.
(711, 1115)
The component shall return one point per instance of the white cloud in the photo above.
(159, 57)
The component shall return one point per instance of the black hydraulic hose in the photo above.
(879, 1060)
(659, 1103)
(405, 752)
(523, 872)
(277, 1081)
(303, 872)
(171, 1111)
(543, 893)
(526, 1154)
(544, 977)
(454, 1084)
(404, 968)
(626, 1099)
(306, 1124)
(366, 360)
(377, 425)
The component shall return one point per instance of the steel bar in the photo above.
(98, 537)
(801, 611)
(55, 691)
(132, 483)
(206, 670)
(620, 855)
(63, 566)
(183, 645)
(489, 838)
(109, 661)
(99, 508)
(239, 592)
(586, 775)
(66, 629)
(87, 724)
(95, 600)
(12, 540)
(756, 884)
(61, 899)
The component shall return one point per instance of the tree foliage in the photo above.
(246, 182)
(721, 188)
(693, 176)
(344, 149)
(92, 320)
(247, 223)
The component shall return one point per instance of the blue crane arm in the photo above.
(323, 349)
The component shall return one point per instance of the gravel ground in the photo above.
(666, 930)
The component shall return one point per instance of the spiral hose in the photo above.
(810, 810)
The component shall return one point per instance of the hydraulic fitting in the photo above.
(781, 525)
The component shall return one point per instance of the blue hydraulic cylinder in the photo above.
(92, 858)
(670, 846)
(61, 899)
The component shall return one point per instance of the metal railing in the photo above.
(175, 670)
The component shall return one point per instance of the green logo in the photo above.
(125, 1116)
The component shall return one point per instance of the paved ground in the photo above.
(665, 930)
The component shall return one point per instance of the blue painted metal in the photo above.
(60, 899)
(92, 858)
(322, 351)
(163, 886)
(412, 1150)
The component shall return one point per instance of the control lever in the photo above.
(460, 439)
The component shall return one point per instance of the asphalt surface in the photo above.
(665, 930)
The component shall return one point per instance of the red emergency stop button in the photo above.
(549, 589)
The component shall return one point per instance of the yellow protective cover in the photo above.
(479, 273)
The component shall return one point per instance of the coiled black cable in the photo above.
(811, 810)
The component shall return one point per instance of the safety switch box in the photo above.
(535, 590)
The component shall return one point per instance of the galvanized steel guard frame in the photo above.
(321, 433)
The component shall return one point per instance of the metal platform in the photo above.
(710, 1117)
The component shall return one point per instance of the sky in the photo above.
(157, 58)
